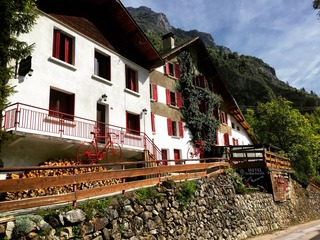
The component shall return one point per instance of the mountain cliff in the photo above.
(249, 79)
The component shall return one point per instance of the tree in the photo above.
(16, 17)
(277, 123)
(314, 119)
(316, 4)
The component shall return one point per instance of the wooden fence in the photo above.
(147, 175)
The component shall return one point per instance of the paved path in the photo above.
(306, 231)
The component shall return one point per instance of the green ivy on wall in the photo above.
(203, 126)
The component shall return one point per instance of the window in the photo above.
(102, 67)
(173, 99)
(238, 128)
(223, 118)
(61, 105)
(199, 81)
(172, 70)
(202, 106)
(175, 128)
(235, 141)
(133, 123)
(233, 125)
(154, 92)
(153, 125)
(62, 46)
(131, 79)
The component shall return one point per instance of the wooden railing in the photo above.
(274, 160)
(150, 175)
(31, 119)
(259, 157)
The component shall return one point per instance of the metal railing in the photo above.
(31, 119)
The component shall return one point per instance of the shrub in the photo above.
(186, 193)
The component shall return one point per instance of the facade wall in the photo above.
(78, 78)
(162, 112)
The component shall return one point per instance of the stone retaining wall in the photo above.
(216, 212)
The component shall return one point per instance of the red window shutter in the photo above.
(226, 139)
(155, 92)
(153, 126)
(169, 126)
(181, 132)
(177, 70)
(202, 83)
(66, 50)
(166, 68)
(179, 99)
(56, 43)
(168, 97)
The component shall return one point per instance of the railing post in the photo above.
(121, 137)
(144, 141)
(75, 173)
(123, 180)
(159, 175)
(16, 121)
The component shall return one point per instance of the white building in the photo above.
(91, 66)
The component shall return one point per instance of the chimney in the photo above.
(168, 41)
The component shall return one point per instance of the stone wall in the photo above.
(216, 212)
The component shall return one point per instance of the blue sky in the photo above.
(283, 33)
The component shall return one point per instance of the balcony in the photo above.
(24, 119)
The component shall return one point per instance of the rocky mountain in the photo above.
(249, 79)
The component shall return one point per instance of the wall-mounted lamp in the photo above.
(30, 72)
(104, 97)
(144, 111)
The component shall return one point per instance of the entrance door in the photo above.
(101, 120)
(176, 153)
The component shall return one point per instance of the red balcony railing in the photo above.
(26, 118)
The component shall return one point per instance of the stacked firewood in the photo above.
(58, 172)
